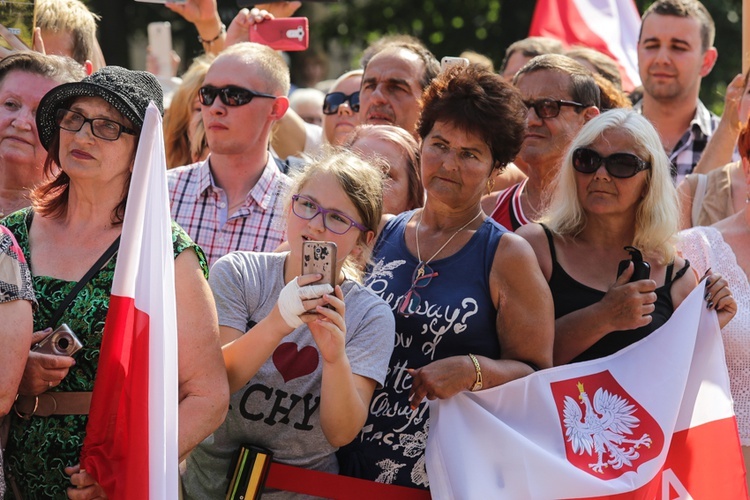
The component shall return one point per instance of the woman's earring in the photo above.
(490, 184)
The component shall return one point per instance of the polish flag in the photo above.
(653, 421)
(609, 26)
(131, 436)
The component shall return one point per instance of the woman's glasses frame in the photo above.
(108, 130)
(422, 277)
(314, 208)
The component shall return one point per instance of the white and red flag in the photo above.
(653, 421)
(131, 436)
(609, 26)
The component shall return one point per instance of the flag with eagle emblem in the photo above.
(653, 421)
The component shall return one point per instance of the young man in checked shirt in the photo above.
(233, 200)
(675, 51)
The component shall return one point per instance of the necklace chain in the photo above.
(419, 254)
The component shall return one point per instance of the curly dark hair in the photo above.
(479, 102)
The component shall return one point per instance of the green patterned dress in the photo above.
(40, 448)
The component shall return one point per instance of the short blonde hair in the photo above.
(657, 216)
(70, 16)
(271, 64)
(362, 183)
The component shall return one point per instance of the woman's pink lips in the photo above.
(77, 153)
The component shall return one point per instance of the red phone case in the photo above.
(287, 34)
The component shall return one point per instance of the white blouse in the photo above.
(705, 248)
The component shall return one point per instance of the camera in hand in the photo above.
(641, 268)
(61, 342)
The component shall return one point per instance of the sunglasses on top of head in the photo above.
(230, 95)
(333, 100)
(620, 165)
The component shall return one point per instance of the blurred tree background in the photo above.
(342, 29)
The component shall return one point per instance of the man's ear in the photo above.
(709, 59)
(590, 112)
(280, 105)
(88, 67)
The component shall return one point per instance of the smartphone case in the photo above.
(160, 42)
(288, 34)
(320, 257)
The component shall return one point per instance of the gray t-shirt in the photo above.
(279, 408)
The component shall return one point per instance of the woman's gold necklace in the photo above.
(422, 264)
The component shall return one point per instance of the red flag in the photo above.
(654, 420)
(609, 26)
(130, 446)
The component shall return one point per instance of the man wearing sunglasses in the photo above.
(233, 199)
(562, 96)
(396, 71)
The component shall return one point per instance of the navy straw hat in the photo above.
(129, 92)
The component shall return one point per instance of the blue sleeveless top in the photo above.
(455, 316)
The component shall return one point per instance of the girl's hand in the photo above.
(297, 299)
(328, 327)
(280, 9)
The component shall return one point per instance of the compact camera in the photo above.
(61, 342)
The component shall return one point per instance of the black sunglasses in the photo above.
(550, 108)
(230, 95)
(620, 165)
(333, 100)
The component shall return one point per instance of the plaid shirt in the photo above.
(689, 148)
(200, 207)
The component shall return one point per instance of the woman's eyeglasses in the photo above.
(333, 100)
(333, 220)
(550, 108)
(620, 165)
(422, 276)
(230, 95)
(102, 128)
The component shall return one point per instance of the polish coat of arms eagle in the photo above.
(604, 428)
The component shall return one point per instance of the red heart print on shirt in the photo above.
(293, 363)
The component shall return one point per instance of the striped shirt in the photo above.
(200, 207)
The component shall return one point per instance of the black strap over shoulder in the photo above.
(108, 253)
(551, 242)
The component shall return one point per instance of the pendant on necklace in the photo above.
(420, 270)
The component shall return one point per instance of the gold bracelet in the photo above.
(478, 382)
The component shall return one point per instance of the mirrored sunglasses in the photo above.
(230, 95)
(333, 100)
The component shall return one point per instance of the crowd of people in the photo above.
(479, 219)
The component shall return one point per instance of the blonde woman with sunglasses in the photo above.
(614, 200)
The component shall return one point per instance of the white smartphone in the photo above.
(160, 42)
(448, 62)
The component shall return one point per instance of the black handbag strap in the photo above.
(108, 253)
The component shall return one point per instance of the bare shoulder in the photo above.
(537, 238)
